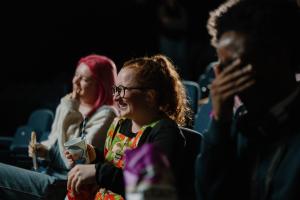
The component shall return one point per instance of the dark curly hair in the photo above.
(158, 72)
(269, 24)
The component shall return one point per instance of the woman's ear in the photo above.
(151, 97)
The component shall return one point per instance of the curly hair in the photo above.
(158, 72)
(269, 25)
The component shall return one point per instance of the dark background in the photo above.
(42, 42)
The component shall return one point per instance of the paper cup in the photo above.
(77, 147)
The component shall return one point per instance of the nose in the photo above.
(116, 96)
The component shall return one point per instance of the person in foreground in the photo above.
(253, 154)
(86, 112)
(152, 103)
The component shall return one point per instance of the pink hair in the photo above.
(105, 72)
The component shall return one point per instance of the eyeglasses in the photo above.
(120, 90)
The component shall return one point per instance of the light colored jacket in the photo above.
(67, 122)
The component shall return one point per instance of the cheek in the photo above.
(138, 103)
(74, 80)
(91, 88)
(88, 88)
(87, 85)
(84, 85)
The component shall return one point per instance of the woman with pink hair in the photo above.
(86, 112)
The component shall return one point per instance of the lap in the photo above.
(22, 182)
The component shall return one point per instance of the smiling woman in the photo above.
(152, 103)
(86, 112)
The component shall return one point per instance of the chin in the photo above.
(124, 113)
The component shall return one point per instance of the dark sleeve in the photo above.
(167, 136)
(110, 177)
(216, 163)
(99, 155)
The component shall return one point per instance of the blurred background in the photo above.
(42, 42)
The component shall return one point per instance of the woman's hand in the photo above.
(40, 149)
(229, 82)
(81, 175)
(75, 93)
(69, 157)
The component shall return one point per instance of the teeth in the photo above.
(122, 106)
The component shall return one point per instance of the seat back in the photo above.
(44, 136)
(187, 177)
(206, 78)
(203, 117)
(41, 120)
(21, 141)
(193, 94)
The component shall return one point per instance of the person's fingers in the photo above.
(239, 88)
(234, 84)
(78, 183)
(232, 88)
(217, 69)
(71, 175)
(71, 162)
(31, 145)
(233, 92)
(225, 78)
(67, 154)
(73, 95)
(226, 85)
(70, 158)
(75, 184)
(31, 149)
(231, 67)
(72, 182)
(75, 92)
(245, 86)
(226, 82)
(220, 69)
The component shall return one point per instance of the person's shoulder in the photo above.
(106, 110)
(106, 113)
(166, 124)
(167, 128)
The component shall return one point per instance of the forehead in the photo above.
(126, 76)
(231, 45)
(84, 70)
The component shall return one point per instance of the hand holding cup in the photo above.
(76, 151)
